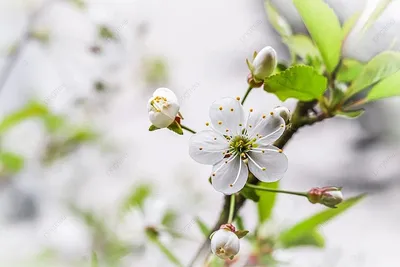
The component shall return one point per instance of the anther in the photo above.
(271, 113)
(282, 125)
(237, 98)
(220, 108)
(251, 110)
(231, 185)
(213, 174)
(207, 123)
(200, 148)
(220, 122)
(215, 138)
(280, 150)
(264, 116)
(263, 169)
(232, 109)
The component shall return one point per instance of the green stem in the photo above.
(188, 129)
(231, 208)
(261, 188)
(246, 94)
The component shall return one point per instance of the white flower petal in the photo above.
(227, 115)
(163, 107)
(167, 93)
(229, 175)
(265, 127)
(268, 166)
(207, 147)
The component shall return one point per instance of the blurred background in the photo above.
(80, 172)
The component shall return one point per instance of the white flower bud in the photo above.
(163, 107)
(264, 63)
(284, 112)
(225, 244)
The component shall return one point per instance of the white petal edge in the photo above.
(229, 175)
(207, 147)
(274, 162)
(265, 127)
(227, 116)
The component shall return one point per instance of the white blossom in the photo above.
(264, 63)
(163, 107)
(235, 145)
(284, 112)
(225, 244)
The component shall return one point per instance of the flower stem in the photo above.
(246, 94)
(188, 129)
(231, 208)
(261, 188)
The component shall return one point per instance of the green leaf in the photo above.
(380, 67)
(29, 111)
(106, 33)
(153, 128)
(78, 3)
(241, 233)
(176, 127)
(165, 250)
(351, 114)
(312, 223)
(137, 197)
(386, 88)
(349, 24)
(301, 82)
(239, 222)
(277, 21)
(95, 261)
(250, 193)
(12, 163)
(349, 70)
(379, 8)
(203, 227)
(53, 122)
(267, 202)
(324, 27)
(311, 238)
(302, 46)
(169, 218)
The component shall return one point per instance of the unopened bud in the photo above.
(328, 196)
(252, 82)
(264, 64)
(163, 107)
(225, 243)
(284, 112)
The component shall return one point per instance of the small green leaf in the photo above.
(165, 250)
(137, 197)
(349, 70)
(169, 218)
(12, 163)
(312, 223)
(267, 202)
(379, 8)
(277, 21)
(106, 33)
(349, 24)
(301, 82)
(203, 227)
(53, 122)
(176, 127)
(153, 128)
(31, 110)
(380, 67)
(241, 233)
(351, 114)
(302, 46)
(239, 222)
(250, 193)
(78, 3)
(386, 88)
(95, 261)
(324, 27)
(311, 238)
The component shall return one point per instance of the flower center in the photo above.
(241, 144)
(159, 103)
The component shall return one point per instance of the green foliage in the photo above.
(277, 21)
(153, 128)
(386, 88)
(349, 70)
(203, 227)
(176, 127)
(324, 29)
(351, 114)
(106, 33)
(250, 193)
(304, 232)
(31, 110)
(169, 218)
(267, 202)
(137, 197)
(311, 238)
(300, 81)
(79, 3)
(155, 71)
(168, 253)
(241, 233)
(95, 261)
(10, 163)
(302, 46)
(380, 67)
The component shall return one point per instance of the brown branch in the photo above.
(300, 118)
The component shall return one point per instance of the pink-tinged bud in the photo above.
(252, 82)
(264, 63)
(228, 226)
(224, 242)
(328, 196)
